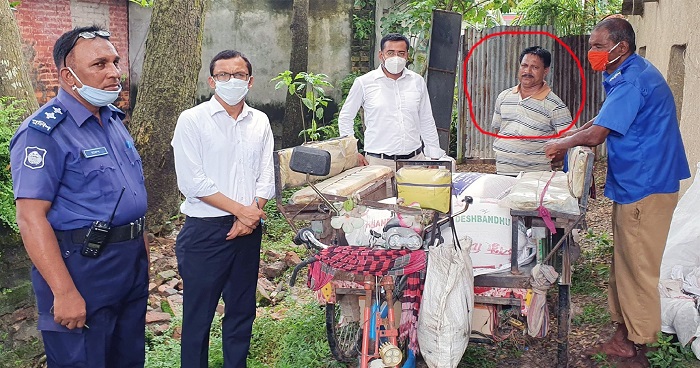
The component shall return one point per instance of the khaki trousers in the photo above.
(639, 233)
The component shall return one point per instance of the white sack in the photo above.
(444, 321)
(679, 268)
(683, 243)
(490, 228)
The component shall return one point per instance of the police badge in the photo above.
(34, 157)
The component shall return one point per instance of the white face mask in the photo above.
(394, 64)
(233, 91)
(95, 96)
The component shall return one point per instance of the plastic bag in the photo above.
(527, 192)
(444, 321)
(682, 245)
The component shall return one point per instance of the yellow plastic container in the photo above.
(429, 187)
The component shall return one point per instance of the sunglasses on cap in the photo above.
(88, 35)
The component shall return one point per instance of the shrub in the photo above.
(10, 118)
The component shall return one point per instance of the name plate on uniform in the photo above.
(94, 152)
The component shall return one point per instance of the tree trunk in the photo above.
(14, 74)
(17, 305)
(298, 62)
(168, 86)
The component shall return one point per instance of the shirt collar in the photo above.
(625, 64)
(80, 113)
(616, 77)
(539, 95)
(379, 73)
(215, 107)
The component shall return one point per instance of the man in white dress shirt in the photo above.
(398, 118)
(223, 159)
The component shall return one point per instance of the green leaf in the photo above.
(319, 90)
(307, 103)
(348, 205)
(319, 113)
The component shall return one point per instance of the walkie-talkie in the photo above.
(97, 234)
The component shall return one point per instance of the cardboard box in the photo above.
(484, 320)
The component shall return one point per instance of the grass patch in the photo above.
(23, 356)
(670, 353)
(602, 361)
(163, 351)
(601, 244)
(595, 314)
(477, 356)
(298, 340)
(278, 234)
(589, 278)
(591, 273)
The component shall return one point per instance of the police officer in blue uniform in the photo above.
(81, 201)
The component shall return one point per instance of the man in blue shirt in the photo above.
(74, 163)
(646, 162)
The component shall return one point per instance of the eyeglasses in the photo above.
(392, 53)
(225, 77)
(88, 35)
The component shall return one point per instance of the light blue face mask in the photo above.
(95, 96)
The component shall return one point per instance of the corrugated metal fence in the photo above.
(492, 67)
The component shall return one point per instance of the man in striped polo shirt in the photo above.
(525, 112)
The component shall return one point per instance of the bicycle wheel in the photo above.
(344, 328)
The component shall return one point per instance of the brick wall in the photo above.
(42, 22)
(362, 48)
(19, 338)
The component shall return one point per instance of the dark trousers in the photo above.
(211, 266)
(115, 289)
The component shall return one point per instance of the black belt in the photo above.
(218, 220)
(116, 234)
(396, 157)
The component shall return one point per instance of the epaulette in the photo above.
(116, 110)
(48, 118)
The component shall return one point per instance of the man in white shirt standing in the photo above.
(223, 159)
(398, 118)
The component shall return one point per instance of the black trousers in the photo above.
(211, 266)
(115, 288)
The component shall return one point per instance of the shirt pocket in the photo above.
(411, 99)
(100, 175)
(136, 164)
(509, 113)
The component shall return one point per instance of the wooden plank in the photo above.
(506, 279)
(349, 291)
(496, 300)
